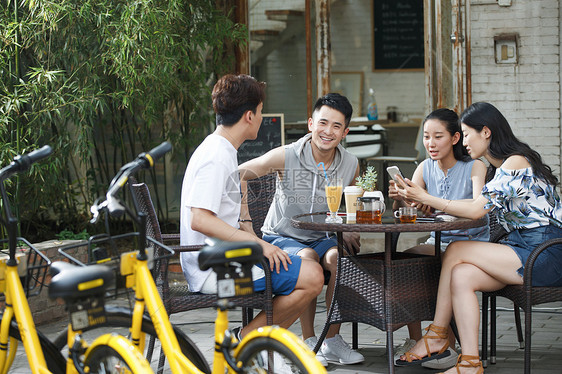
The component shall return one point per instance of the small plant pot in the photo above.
(374, 194)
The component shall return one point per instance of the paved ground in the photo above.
(546, 357)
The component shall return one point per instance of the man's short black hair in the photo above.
(337, 102)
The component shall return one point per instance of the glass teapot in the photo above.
(370, 209)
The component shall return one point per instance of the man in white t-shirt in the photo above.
(210, 205)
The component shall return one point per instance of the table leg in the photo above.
(388, 247)
(322, 336)
(354, 335)
(390, 350)
(437, 243)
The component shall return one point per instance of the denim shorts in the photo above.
(547, 270)
(293, 246)
(283, 283)
(444, 245)
(431, 241)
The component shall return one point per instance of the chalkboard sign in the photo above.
(398, 35)
(270, 135)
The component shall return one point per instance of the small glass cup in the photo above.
(334, 189)
(406, 214)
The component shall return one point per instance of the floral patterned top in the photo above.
(522, 200)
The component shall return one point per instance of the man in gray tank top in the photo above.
(302, 169)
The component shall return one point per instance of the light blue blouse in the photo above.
(522, 200)
(456, 185)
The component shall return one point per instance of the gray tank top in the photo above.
(301, 190)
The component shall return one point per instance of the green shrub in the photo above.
(101, 81)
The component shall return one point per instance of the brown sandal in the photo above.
(469, 363)
(412, 359)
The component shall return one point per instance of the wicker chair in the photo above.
(524, 296)
(176, 295)
(260, 195)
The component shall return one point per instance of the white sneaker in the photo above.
(400, 350)
(336, 350)
(311, 343)
(279, 364)
(442, 363)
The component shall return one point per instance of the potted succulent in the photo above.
(368, 182)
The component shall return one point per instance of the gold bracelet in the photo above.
(447, 205)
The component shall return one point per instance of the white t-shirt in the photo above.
(211, 182)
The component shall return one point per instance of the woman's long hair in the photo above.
(503, 142)
(451, 121)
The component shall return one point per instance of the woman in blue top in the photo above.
(523, 194)
(449, 173)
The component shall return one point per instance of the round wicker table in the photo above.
(385, 290)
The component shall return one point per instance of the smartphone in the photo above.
(393, 171)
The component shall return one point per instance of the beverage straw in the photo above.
(323, 168)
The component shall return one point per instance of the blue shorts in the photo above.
(293, 246)
(283, 283)
(547, 270)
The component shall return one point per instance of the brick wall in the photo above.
(42, 308)
(528, 93)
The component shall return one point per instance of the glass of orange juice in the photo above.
(334, 189)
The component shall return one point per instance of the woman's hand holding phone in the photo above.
(426, 209)
(393, 185)
(393, 191)
(393, 171)
(397, 189)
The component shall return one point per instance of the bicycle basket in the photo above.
(32, 265)
(107, 250)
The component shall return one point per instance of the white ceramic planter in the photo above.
(374, 194)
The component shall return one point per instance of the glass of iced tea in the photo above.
(406, 214)
(334, 189)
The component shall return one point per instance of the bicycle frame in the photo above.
(139, 277)
(134, 267)
(17, 307)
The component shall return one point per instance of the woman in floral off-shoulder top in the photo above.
(524, 196)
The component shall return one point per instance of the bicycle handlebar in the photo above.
(144, 160)
(155, 153)
(19, 164)
(23, 162)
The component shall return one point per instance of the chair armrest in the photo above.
(170, 237)
(268, 285)
(527, 275)
(186, 248)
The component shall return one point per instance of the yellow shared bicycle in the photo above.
(268, 349)
(22, 272)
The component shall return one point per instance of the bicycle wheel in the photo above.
(104, 359)
(257, 353)
(55, 361)
(119, 319)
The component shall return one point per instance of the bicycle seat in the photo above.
(71, 281)
(219, 253)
